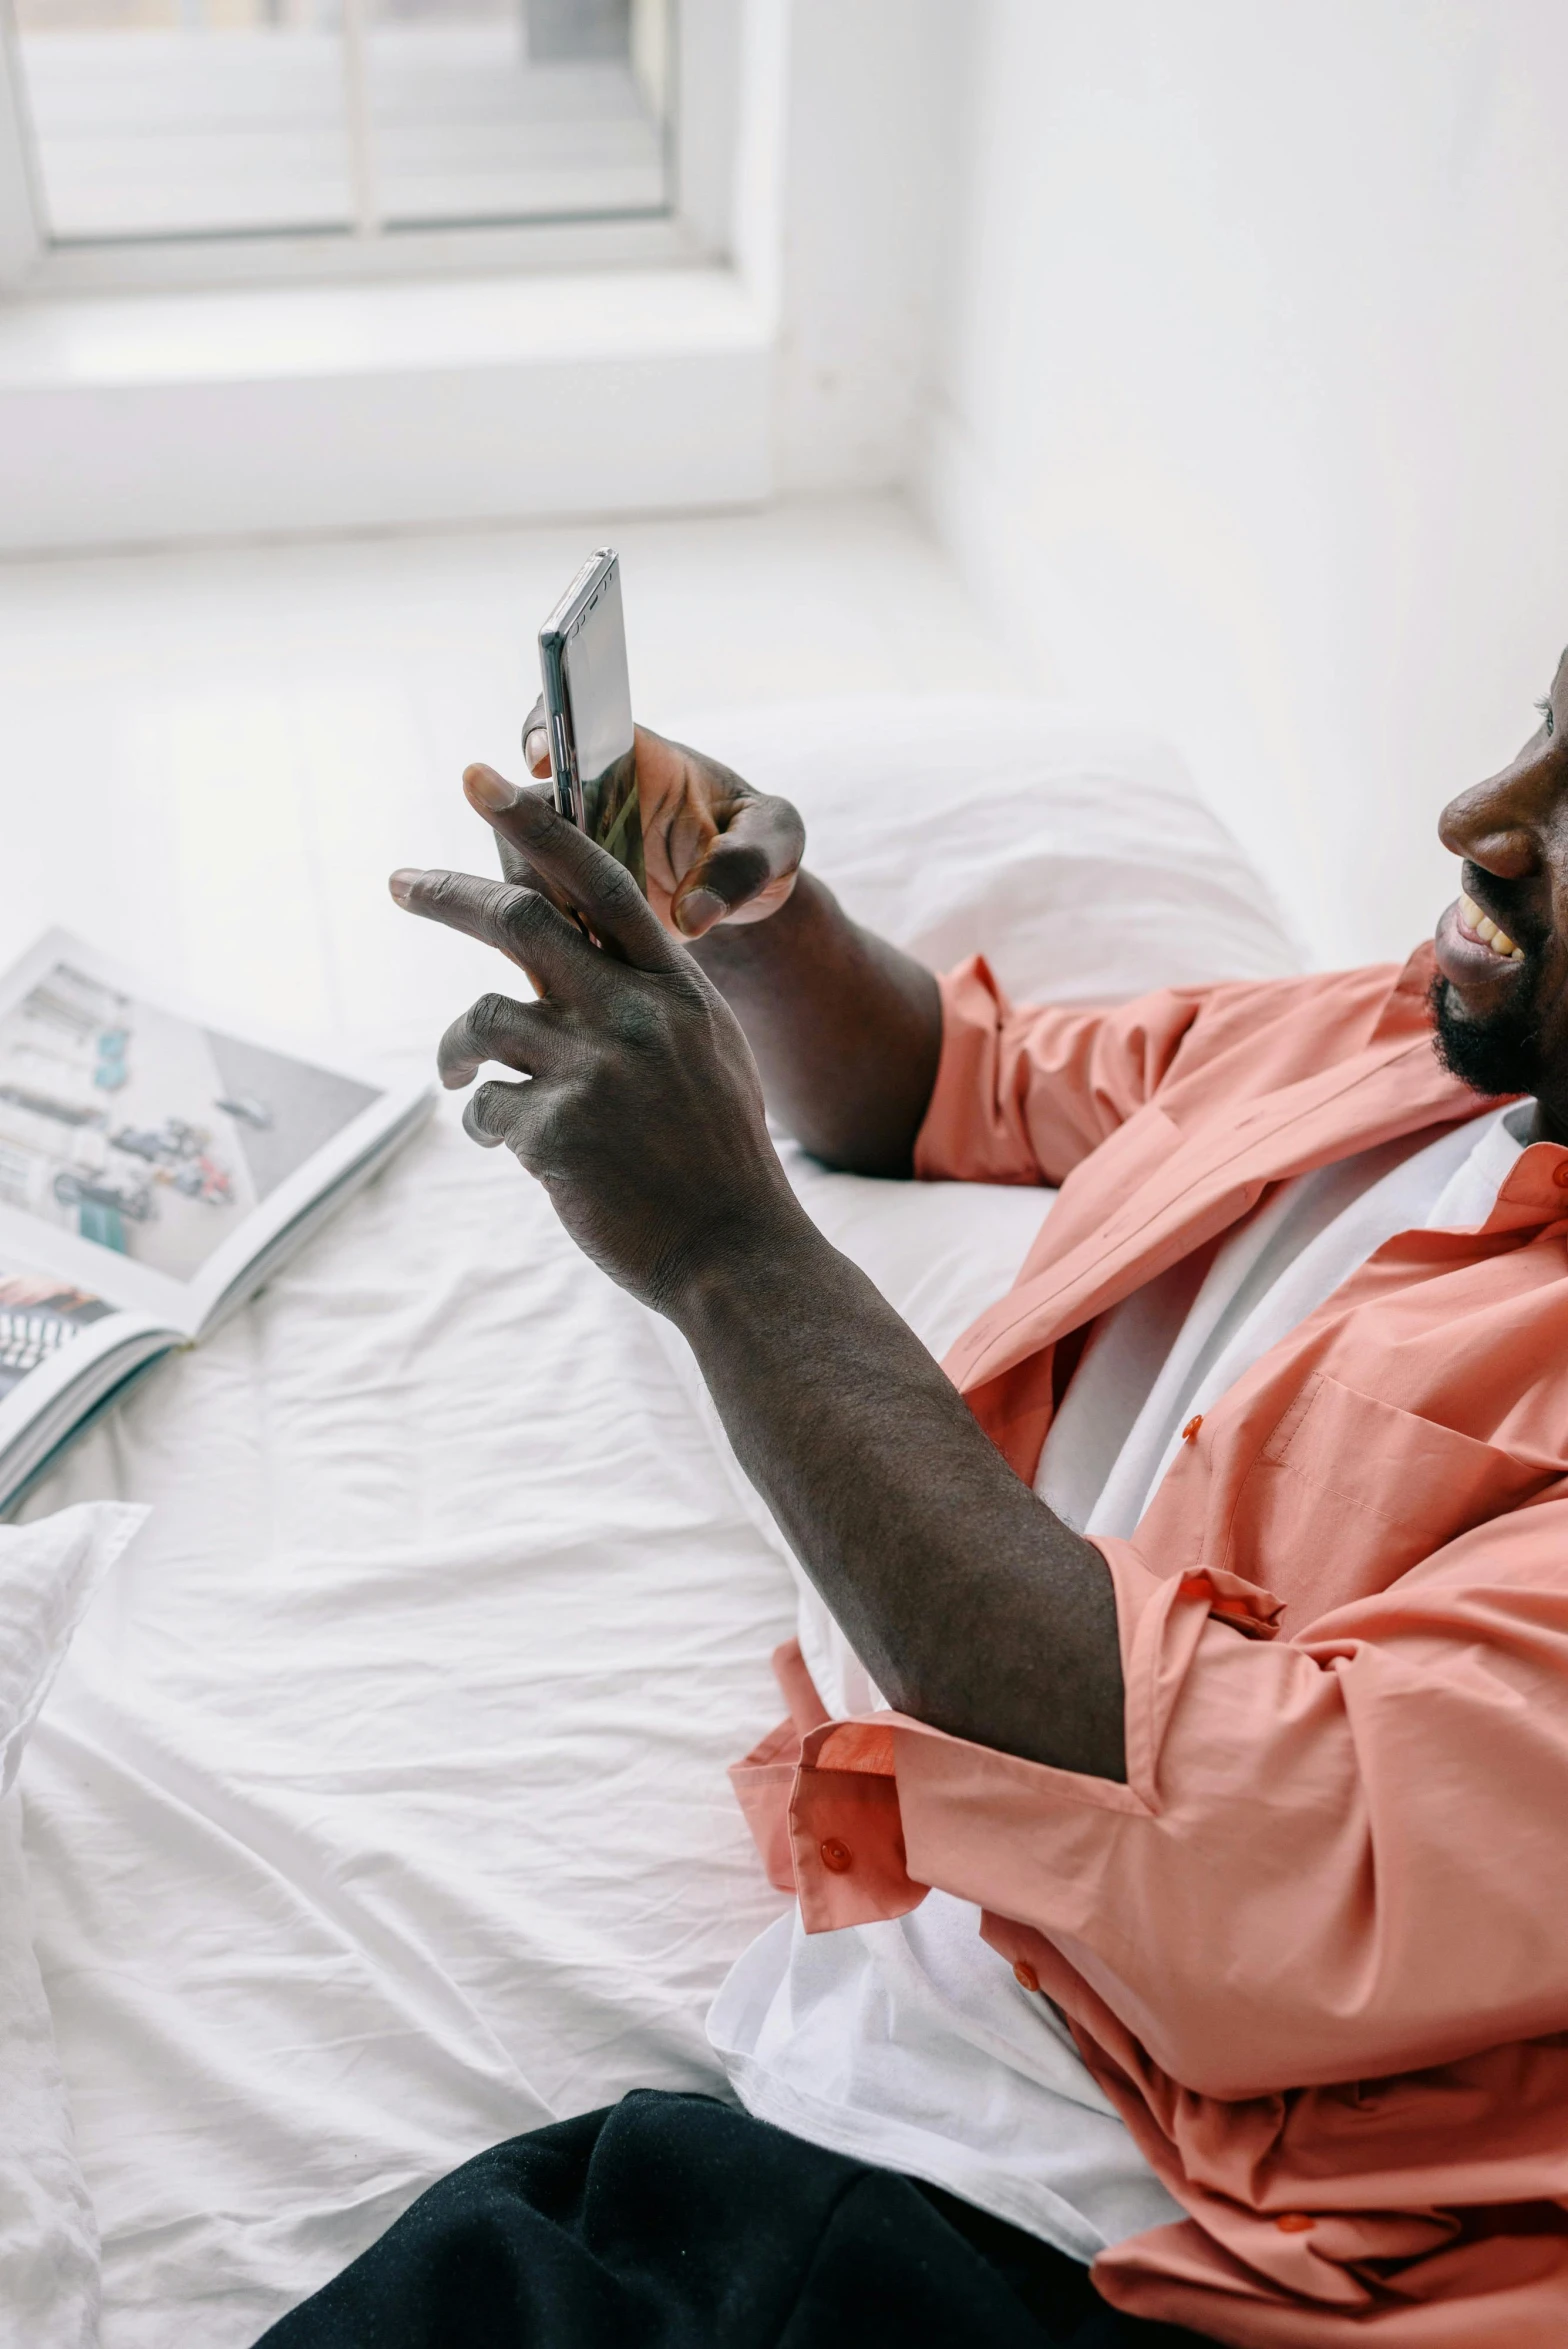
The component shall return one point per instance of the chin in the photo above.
(1495, 1054)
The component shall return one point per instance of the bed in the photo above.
(379, 1811)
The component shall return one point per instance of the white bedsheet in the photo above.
(380, 1810)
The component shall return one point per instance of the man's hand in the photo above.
(716, 851)
(642, 1112)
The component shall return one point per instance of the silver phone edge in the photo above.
(553, 637)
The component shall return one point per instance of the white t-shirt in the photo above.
(909, 2043)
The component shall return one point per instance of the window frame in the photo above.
(21, 240)
(693, 226)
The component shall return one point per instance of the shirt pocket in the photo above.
(1347, 1493)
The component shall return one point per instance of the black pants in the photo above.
(674, 2222)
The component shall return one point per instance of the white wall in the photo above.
(1253, 401)
(797, 362)
(871, 174)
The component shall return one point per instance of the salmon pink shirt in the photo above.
(1315, 1949)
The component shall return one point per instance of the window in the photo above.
(161, 125)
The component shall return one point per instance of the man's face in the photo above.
(1501, 996)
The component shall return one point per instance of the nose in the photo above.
(1501, 824)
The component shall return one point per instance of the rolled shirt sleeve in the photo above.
(1024, 1095)
(1332, 1858)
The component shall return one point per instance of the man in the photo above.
(1219, 1594)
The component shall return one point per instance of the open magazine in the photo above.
(153, 1173)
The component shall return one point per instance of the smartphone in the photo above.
(588, 708)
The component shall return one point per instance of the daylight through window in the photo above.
(170, 119)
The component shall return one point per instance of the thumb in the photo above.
(748, 870)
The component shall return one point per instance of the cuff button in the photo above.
(836, 1855)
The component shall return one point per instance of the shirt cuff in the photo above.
(885, 1806)
(962, 1137)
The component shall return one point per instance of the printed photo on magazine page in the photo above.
(134, 1127)
(39, 1317)
(63, 1352)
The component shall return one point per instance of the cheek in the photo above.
(1550, 1005)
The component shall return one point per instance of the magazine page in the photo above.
(150, 1157)
(58, 1343)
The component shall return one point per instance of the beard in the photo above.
(1492, 1056)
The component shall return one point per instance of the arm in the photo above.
(846, 1030)
(974, 1606)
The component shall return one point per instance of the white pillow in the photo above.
(48, 2234)
(48, 1573)
(1075, 854)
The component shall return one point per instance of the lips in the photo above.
(1487, 966)
(1473, 923)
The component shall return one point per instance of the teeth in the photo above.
(1485, 928)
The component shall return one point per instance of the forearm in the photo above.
(972, 1606)
(846, 1030)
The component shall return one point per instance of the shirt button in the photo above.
(1560, 1174)
(1025, 1976)
(1189, 1434)
(1296, 2222)
(835, 1855)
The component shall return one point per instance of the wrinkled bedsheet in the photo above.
(380, 1810)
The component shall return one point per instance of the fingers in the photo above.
(520, 923)
(757, 855)
(536, 740)
(496, 1114)
(584, 875)
(520, 1116)
(524, 1036)
(515, 865)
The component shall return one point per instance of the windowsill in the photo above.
(301, 333)
(162, 417)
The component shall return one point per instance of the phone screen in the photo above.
(599, 705)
